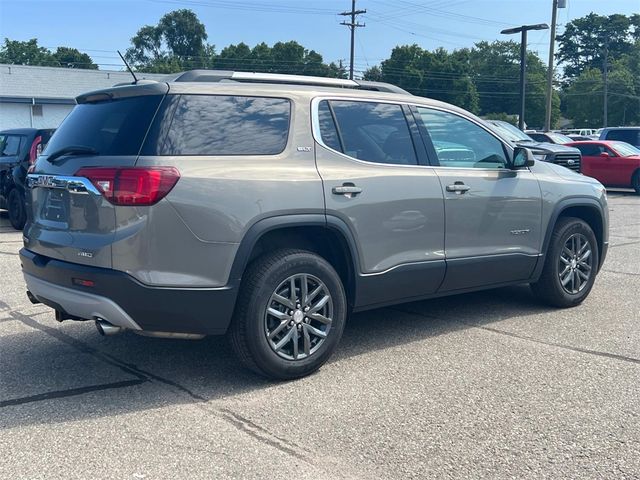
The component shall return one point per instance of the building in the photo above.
(40, 97)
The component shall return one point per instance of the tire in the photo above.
(16, 208)
(635, 181)
(256, 332)
(574, 234)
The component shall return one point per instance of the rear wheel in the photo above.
(17, 211)
(290, 314)
(570, 266)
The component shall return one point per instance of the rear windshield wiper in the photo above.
(72, 150)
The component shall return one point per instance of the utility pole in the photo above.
(352, 26)
(552, 43)
(523, 61)
(606, 82)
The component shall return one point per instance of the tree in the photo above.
(73, 58)
(177, 42)
(284, 57)
(582, 45)
(16, 52)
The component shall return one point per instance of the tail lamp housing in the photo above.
(132, 186)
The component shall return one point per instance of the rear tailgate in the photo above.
(69, 218)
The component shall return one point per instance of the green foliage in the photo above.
(177, 42)
(582, 45)
(482, 79)
(15, 52)
(284, 57)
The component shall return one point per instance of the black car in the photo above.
(19, 149)
(550, 137)
(544, 151)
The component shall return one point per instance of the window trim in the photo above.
(315, 131)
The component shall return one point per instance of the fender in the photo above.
(577, 201)
(19, 175)
(263, 226)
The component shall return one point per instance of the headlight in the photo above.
(541, 157)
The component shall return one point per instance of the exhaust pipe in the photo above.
(106, 329)
(32, 298)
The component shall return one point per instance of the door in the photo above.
(492, 213)
(600, 162)
(374, 182)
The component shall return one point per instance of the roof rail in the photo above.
(256, 77)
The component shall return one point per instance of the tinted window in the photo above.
(9, 145)
(328, 129)
(374, 132)
(539, 137)
(459, 142)
(629, 136)
(589, 149)
(113, 127)
(226, 125)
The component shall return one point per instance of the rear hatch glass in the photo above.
(75, 222)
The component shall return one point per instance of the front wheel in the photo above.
(17, 211)
(570, 266)
(289, 315)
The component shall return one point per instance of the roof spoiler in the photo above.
(254, 77)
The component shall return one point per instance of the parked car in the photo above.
(583, 132)
(271, 206)
(614, 164)
(550, 137)
(568, 157)
(18, 150)
(631, 135)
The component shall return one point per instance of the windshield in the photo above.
(115, 127)
(559, 138)
(511, 132)
(625, 150)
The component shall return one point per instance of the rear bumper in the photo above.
(122, 300)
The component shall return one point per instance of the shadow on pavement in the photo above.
(197, 371)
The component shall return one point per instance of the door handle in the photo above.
(347, 189)
(458, 187)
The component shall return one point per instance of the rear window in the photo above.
(220, 125)
(116, 127)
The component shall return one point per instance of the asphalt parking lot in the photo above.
(487, 385)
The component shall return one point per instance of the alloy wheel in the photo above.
(298, 317)
(575, 264)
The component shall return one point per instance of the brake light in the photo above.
(33, 151)
(132, 186)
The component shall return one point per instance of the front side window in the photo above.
(459, 142)
(9, 145)
(590, 149)
(369, 131)
(224, 125)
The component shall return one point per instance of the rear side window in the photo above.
(115, 127)
(9, 145)
(629, 136)
(223, 125)
(373, 132)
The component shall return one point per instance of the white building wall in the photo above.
(18, 115)
(14, 115)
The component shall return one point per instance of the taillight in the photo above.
(33, 151)
(132, 186)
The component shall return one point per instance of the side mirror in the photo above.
(522, 158)
(605, 154)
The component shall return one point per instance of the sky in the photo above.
(100, 27)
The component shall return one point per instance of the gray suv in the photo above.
(270, 207)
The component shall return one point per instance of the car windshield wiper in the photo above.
(72, 150)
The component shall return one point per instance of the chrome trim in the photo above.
(303, 79)
(317, 136)
(76, 185)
